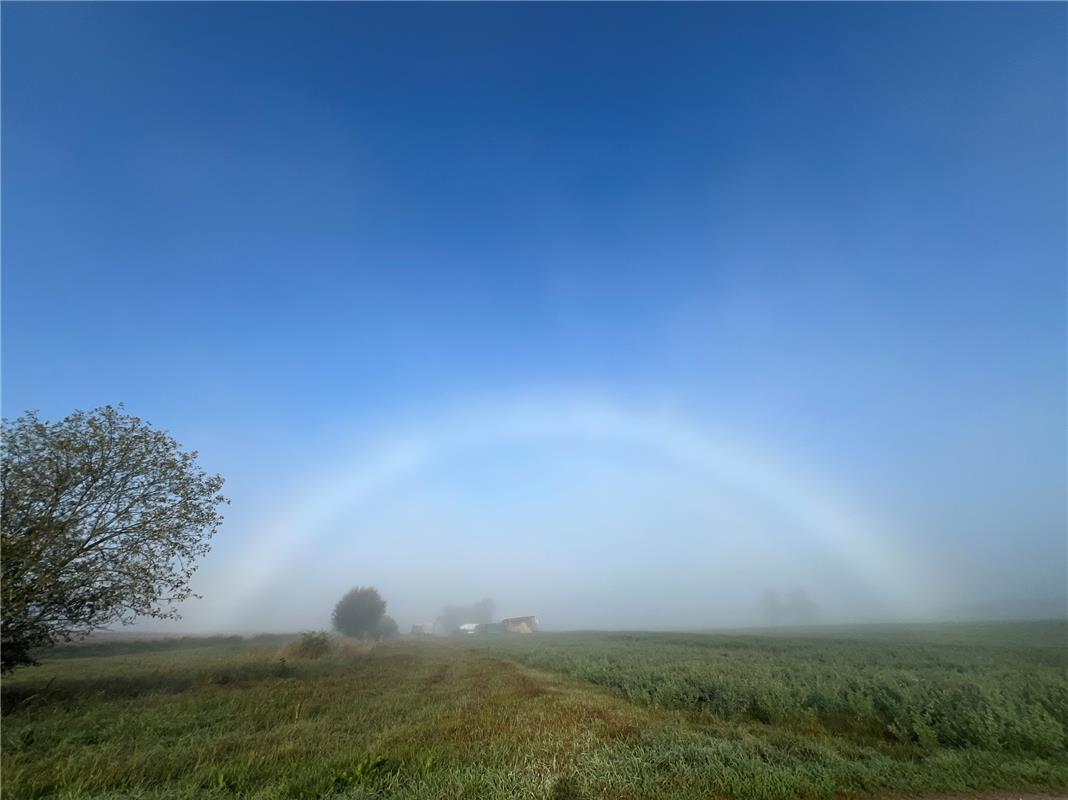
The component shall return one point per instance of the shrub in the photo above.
(387, 628)
(313, 644)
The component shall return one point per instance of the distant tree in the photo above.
(387, 627)
(359, 612)
(103, 520)
(795, 607)
(771, 606)
(482, 611)
(450, 620)
(802, 607)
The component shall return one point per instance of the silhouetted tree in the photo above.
(387, 627)
(103, 520)
(359, 612)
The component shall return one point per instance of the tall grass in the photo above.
(998, 688)
(602, 716)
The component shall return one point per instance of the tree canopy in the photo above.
(386, 628)
(359, 612)
(103, 520)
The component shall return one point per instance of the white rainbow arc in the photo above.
(862, 545)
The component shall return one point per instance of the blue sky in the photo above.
(837, 231)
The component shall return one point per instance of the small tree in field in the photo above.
(387, 627)
(103, 520)
(359, 612)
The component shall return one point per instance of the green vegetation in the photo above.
(102, 520)
(313, 644)
(817, 714)
(359, 613)
(977, 687)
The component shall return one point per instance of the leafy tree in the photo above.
(359, 612)
(387, 627)
(103, 520)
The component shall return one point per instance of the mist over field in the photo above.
(590, 517)
(723, 315)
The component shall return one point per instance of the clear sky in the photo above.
(295, 235)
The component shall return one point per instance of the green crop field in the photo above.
(879, 711)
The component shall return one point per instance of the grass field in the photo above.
(823, 713)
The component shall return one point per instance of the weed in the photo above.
(311, 645)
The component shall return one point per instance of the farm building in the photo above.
(423, 629)
(520, 624)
